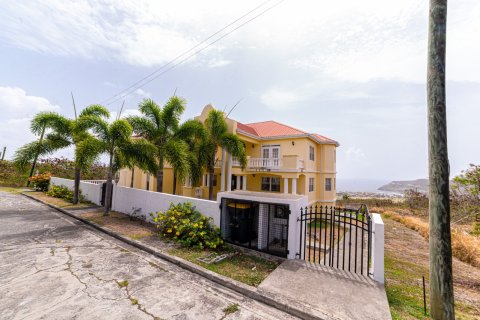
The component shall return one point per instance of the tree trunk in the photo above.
(210, 182)
(76, 185)
(108, 185)
(133, 177)
(160, 176)
(34, 164)
(174, 181)
(441, 282)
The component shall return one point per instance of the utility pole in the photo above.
(441, 280)
(3, 153)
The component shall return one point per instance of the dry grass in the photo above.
(465, 246)
(61, 203)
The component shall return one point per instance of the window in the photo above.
(312, 153)
(328, 184)
(148, 182)
(311, 184)
(270, 184)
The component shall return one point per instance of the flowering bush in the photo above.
(60, 192)
(185, 224)
(40, 182)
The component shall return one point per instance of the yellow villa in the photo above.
(281, 159)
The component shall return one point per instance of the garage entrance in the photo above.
(256, 225)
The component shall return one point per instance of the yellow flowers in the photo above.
(169, 230)
(178, 233)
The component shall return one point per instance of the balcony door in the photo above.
(271, 155)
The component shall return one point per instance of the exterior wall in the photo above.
(91, 191)
(126, 199)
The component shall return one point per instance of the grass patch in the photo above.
(245, 268)
(61, 203)
(122, 284)
(11, 189)
(404, 288)
(232, 308)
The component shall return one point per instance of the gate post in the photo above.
(378, 239)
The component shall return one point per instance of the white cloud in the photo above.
(17, 109)
(217, 63)
(279, 99)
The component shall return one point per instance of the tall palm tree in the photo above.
(115, 140)
(63, 132)
(217, 136)
(161, 126)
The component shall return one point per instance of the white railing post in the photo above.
(378, 239)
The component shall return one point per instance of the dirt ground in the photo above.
(407, 245)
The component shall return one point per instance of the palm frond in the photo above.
(99, 126)
(176, 153)
(95, 110)
(139, 153)
(216, 125)
(143, 126)
(88, 151)
(191, 130)
(235, 147)
(171, 113)
(25, 154)
(120, 131)
(151, 110)
(50, 120)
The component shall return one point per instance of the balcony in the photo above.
(286, 163)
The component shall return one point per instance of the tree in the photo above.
(63, 132)
(216, 137)
(115, 140)
(161, 127)
(441, 281)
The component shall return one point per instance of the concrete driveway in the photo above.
(52, 267)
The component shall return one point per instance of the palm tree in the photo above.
(161, 126)
(63, 133)
(115, 139)
(217, 136)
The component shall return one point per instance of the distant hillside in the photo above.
(420, 185)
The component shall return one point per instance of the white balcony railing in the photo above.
(267, 163)
(300, 164)
(235, 162)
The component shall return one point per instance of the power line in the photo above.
(184, 53)
(142, 82)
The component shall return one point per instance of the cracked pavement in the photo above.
(54, 267)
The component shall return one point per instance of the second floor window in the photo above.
(328, 184)
(311, 184)
(270, 184)
(312, 153)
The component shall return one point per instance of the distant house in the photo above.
(281, 159)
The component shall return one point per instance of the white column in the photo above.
(238, 182)
(285, 185)
(229, 173)
(294, 185)
(378, 239)
(244, 186)
(222, 179)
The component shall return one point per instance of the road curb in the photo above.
(288, 306)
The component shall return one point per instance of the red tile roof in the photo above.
(272, 129)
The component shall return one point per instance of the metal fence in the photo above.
(336, 237)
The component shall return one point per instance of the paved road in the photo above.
(53, 267)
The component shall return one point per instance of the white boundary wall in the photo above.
(378, 239)
(127, 199)
(91, 191)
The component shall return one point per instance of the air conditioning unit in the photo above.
(198, 192)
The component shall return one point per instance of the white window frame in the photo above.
(270, 184)
(311, 184)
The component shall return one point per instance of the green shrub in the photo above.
(40, 182)
(60, 192)
(183, 223)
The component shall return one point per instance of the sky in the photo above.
(354, 71)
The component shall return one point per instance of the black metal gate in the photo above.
(256, 225)
(336, 237)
